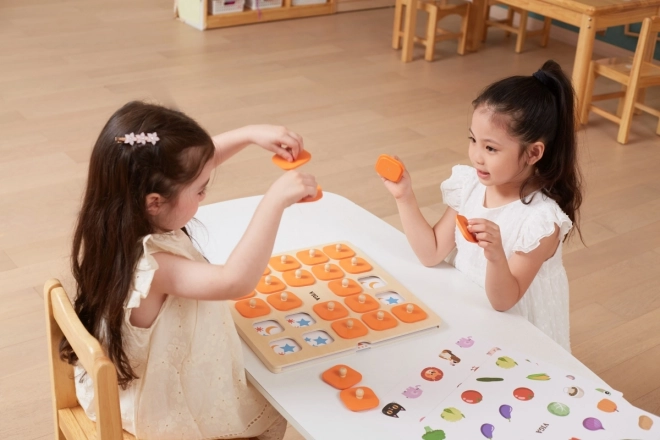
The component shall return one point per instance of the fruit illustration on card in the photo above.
(559, 409)
(540, 376)
(523, 394)
(487, 430)
(607, 405)
(452, 414)
(592, 424)
(472, 396)
(465, 342)
(645, 422)
(505, 411)
(433, 434)
(505, 362)
(489, 379)
(413, 393)
(574, 391)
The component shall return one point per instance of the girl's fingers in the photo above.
(284, 153)
(291, 144)
(298, 139)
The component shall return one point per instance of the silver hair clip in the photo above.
(132, 138)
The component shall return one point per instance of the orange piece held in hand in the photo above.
(319, 194)
(303, 157)
(462, 224)
(389, 168)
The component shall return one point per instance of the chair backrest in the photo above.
(648, 37)
(62, 320)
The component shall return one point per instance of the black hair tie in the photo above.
(544, 78)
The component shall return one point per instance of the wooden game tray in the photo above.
(416, 319)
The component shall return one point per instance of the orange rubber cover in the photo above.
(332, 377)
(276, 263)
(462, 224)
(370, 303)
(389, 168)
(260, 308)
(373, 322)
(344, 252)
(306, 278)
(368, 401)
(416, 315)
(303, 157)
(276, 285)
(342, 330)
(319, 194)
(249, 295)
(318, 258)
(338, 312)
(291, 302)
(339, 290)
(334, 272)
(360, 267)
(266, 271)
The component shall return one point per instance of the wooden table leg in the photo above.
(583, 53)
(476, 24)
(409, 27)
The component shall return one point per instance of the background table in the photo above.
(309, 404)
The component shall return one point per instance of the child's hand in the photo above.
(488, 235)
(281, 141)
(401, 189)
(292, 187)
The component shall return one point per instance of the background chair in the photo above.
(437, 10)
(71, 422)
(634, 74)
(521, 31)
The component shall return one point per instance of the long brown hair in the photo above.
(541, 107)
(113, 217)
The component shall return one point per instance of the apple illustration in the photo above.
(472, 396)
(523, 394)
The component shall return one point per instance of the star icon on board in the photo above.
(320, 341)
(304, 323)
(391, 300)
(307, 339)
(287, 348)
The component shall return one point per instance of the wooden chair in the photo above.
(71, 422)
(521, 31)
(634, 74)
(437, 10)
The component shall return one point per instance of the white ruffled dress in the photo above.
(545, 304)
(191, 380)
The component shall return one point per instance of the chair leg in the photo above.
(431, 29)
(462, 43)
(589, 92)
(522, 31)
(509, 19)
(628, 110)
(396, 32)
(486, 18)
(547, 25)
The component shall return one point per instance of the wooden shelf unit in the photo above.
(196, 13)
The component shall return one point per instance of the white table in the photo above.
(308, 403)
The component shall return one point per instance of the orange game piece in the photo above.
(319, 194)
(359, 398)
(249, 295)
(327, 272)
(310, 259)
(349, 328)
(462, 224)
(298, 278)
(330, 312)
(253, 307)
(284, 301)
(282, 263)
(266, 272)
(385, 322)
(355, 265)
(303, 157)
(270, 284)
(389, 168)
(362, 303)
(341, 377)
(409, 313)
(344, 288)
(338, 251)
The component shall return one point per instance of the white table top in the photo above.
(300, 395)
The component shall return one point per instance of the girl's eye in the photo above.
(472, 140)
(202, 192)
(491, 149)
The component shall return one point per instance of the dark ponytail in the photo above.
(541, 107)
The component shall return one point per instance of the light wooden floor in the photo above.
(66, 66)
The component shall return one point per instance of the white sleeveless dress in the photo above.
(545, 304)
(191, 380)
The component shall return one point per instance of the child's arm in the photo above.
(507, 281)
(279, 140)
(430, 244)
(244, 267)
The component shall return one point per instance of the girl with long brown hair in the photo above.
(521, 197)
(148, 295)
